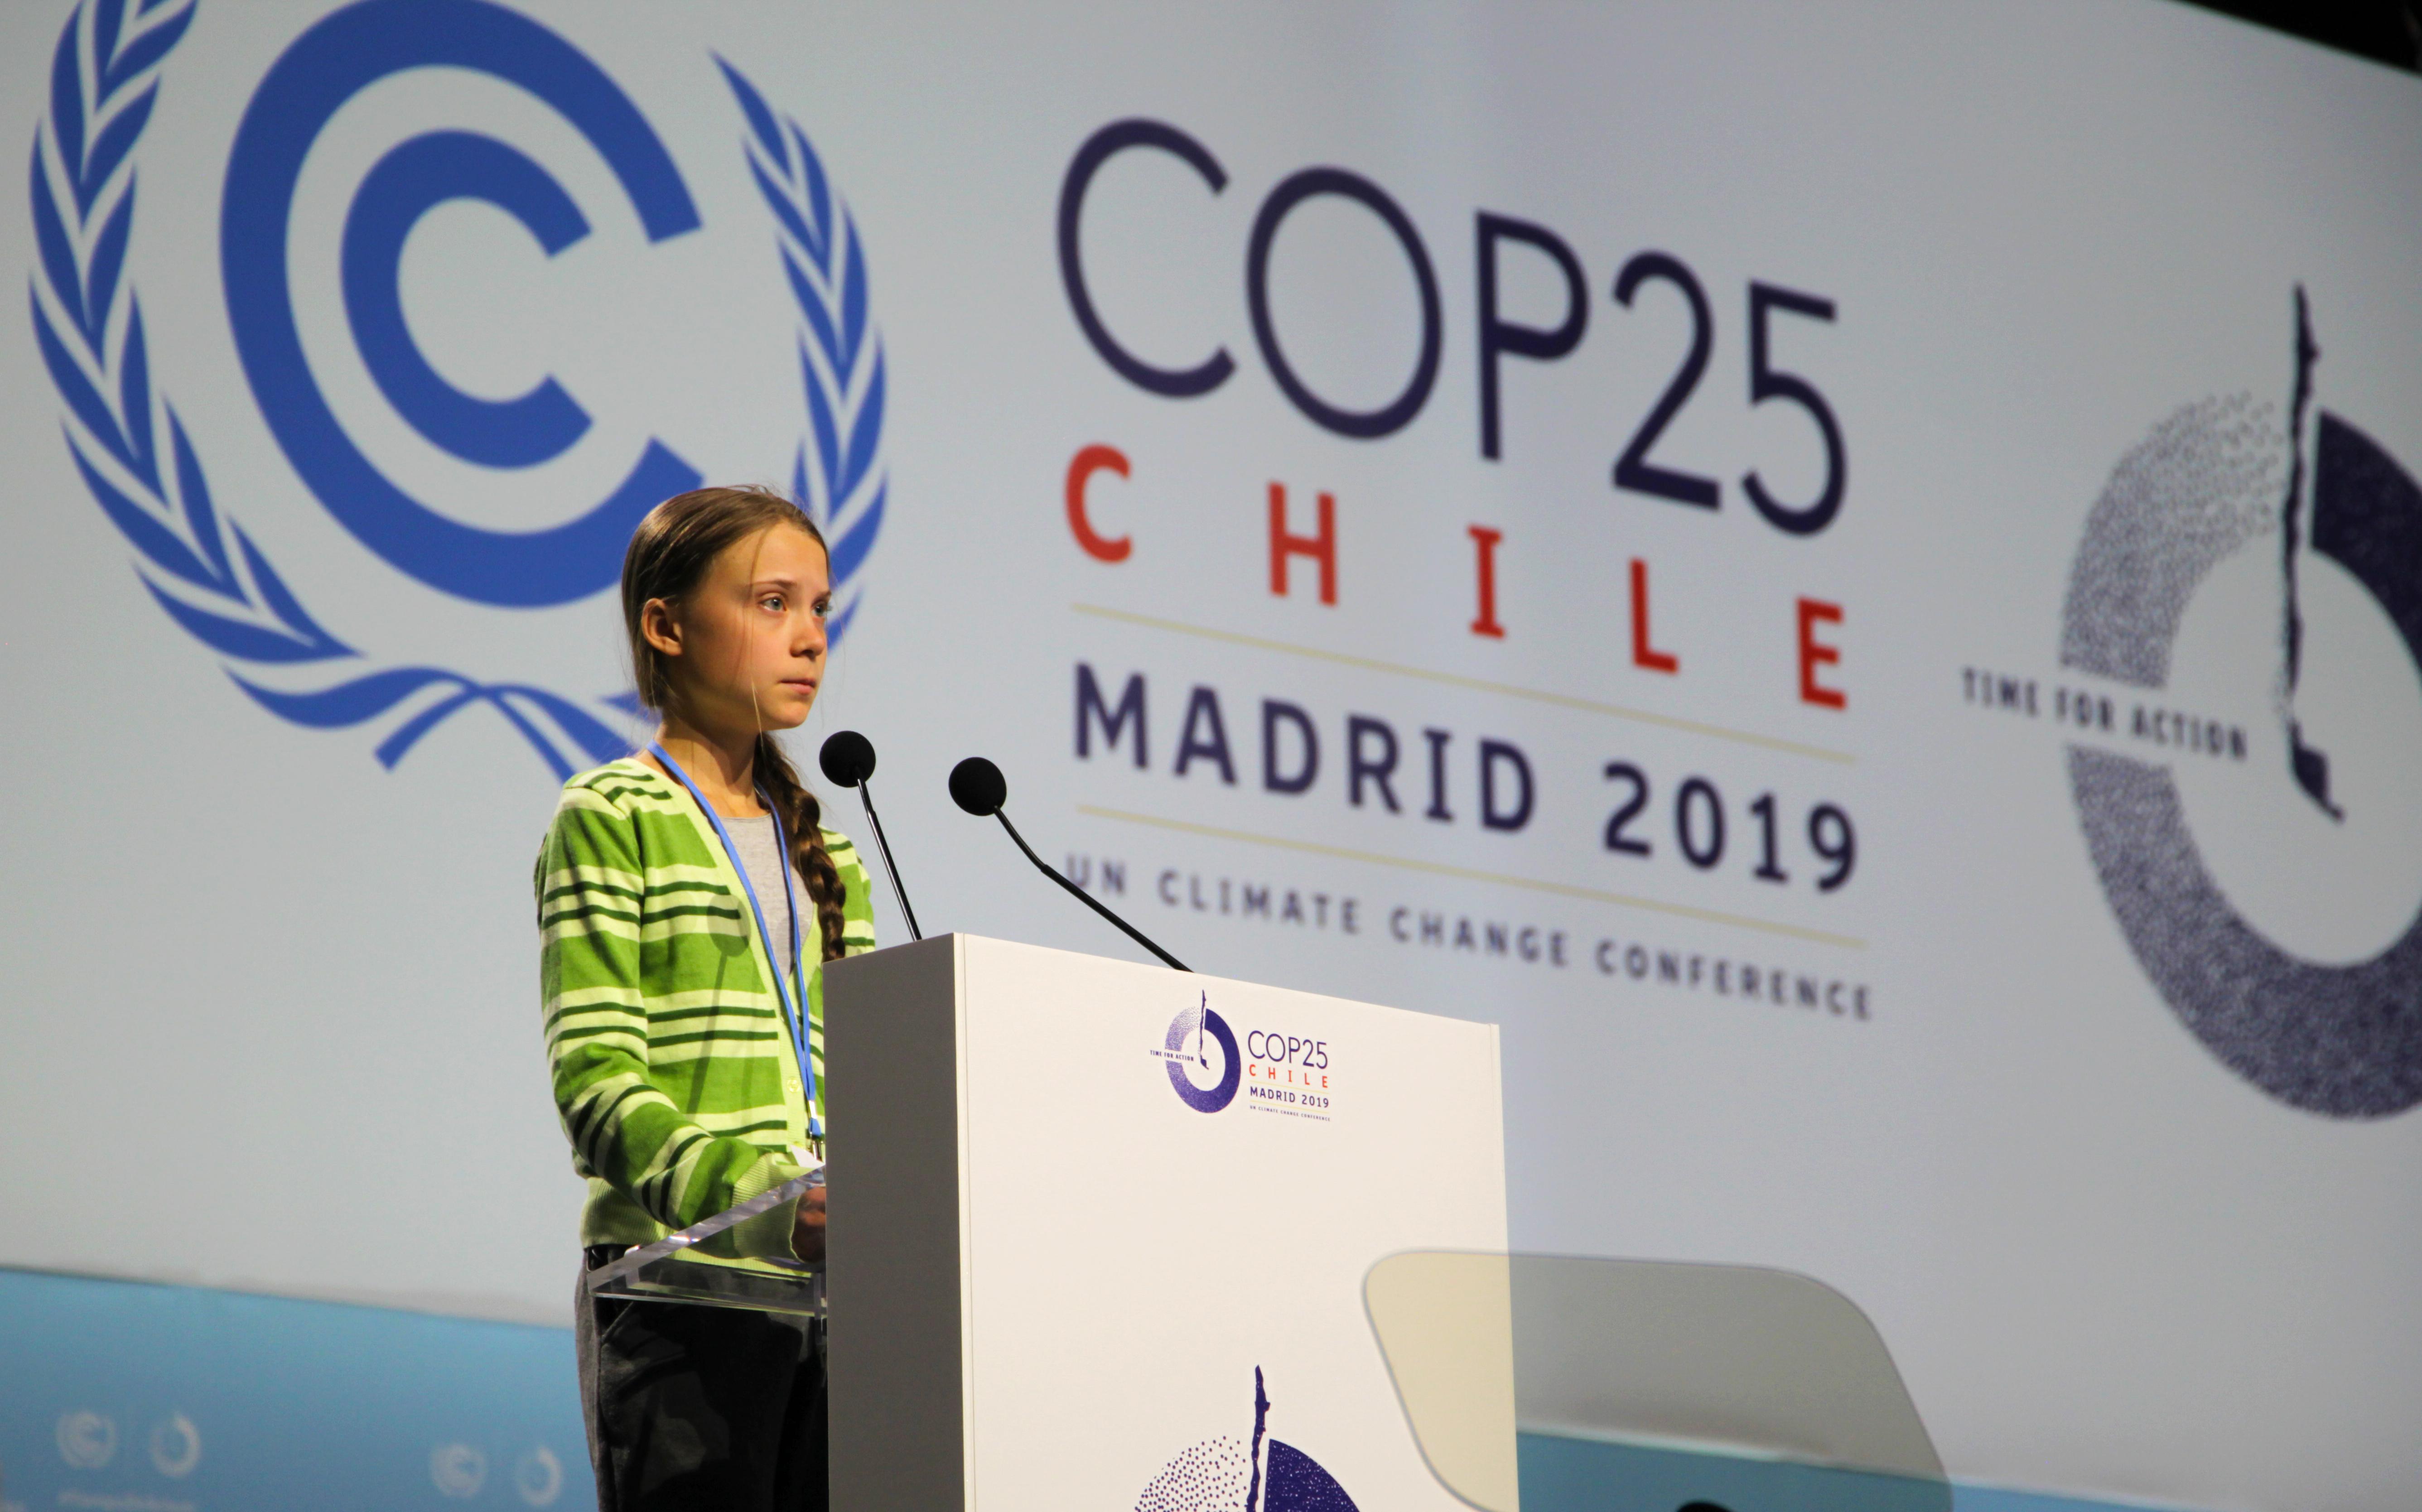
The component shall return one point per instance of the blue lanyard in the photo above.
(794, 994)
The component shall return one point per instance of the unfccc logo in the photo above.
(86, 1440)
(148, 473)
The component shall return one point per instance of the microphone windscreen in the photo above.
(977, 786)
(848, 758)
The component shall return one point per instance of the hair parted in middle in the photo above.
(669, 552)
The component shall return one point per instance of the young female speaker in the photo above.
(687, 898)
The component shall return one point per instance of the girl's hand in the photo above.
(808, 1232)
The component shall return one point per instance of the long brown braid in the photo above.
(800, 813)
(668, 554)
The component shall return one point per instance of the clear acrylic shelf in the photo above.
(682, 1268)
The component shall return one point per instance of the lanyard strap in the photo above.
(794, 1003)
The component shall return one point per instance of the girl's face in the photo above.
(747, 643)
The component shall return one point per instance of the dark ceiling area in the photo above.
(2384, 31)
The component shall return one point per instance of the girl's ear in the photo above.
(660, 628)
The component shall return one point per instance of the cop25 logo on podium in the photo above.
(148, 474)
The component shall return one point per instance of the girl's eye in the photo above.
(771, 601)
(820, 609)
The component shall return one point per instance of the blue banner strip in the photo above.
(123, 1396)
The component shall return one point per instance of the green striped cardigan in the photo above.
(673, 1067)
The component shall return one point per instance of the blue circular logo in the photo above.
(149, 475)
(1201, 1054)
(343, 55)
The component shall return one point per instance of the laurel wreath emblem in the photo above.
(142, 468)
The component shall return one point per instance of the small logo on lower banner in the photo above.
(176, 1446)
(458, 1470)
(538, 1476)
(86, 1440)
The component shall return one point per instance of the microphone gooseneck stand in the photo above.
(977, 786)
(848, 759)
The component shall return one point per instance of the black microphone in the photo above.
(977, 786)
(848, 759)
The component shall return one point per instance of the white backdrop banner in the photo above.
(1851, 574)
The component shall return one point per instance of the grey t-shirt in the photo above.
(761, 856)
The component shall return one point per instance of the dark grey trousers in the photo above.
(702, 1409)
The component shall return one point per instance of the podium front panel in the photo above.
(1100, 1230)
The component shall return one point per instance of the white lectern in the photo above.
(1100, 1231)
